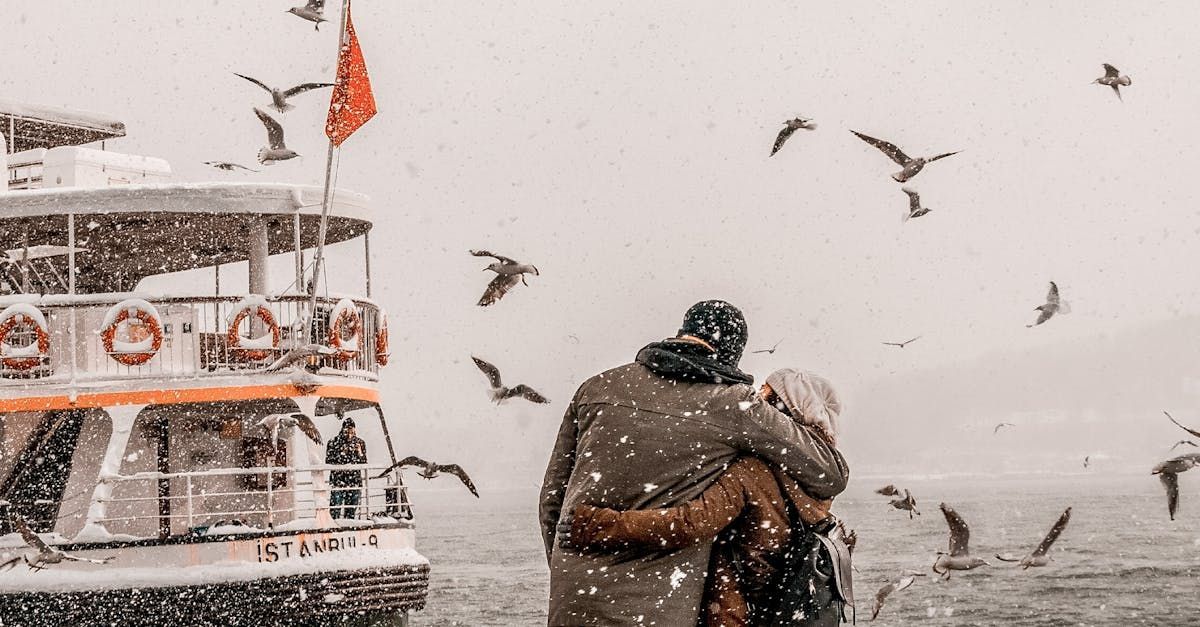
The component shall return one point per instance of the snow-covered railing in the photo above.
(193, 336)
(182, 504)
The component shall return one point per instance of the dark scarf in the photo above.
(689, 361)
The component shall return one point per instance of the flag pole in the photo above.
(327, 197)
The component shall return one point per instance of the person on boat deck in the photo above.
(345, 448)
(753, 511)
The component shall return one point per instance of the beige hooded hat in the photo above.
(810, 398)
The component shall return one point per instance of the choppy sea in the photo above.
(1121, 561)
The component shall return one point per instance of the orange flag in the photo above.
(352, 103)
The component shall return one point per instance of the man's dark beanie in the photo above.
(721, 325)
(347, 424)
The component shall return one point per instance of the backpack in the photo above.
(814, 586)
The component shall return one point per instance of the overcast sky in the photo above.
(622, 148)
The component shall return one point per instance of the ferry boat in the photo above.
(135, 426)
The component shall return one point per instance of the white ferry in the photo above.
(130, 421)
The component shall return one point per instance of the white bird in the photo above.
(910, 165)
(275, 149)
(279, 96)
(46, 554)
(500, 393)
(431, 470)
(959, 556)
(1039, 557)
(789, 127)
(508, 273)
(1000, 426)
(1053, 305)
(229, 166)
(915, 210)
(275, 422)
(770, 351)
(1193, 432)
(1168, 474)
(905, 580)
(905, 503)
(313, 11)
(1113, 78)
(901, 344)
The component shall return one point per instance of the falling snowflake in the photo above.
(649, 487)
(677, 578)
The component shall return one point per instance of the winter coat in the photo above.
(345, 450)
(632, 439)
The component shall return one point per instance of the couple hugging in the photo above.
(677, 495)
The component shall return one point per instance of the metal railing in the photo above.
(303, 497)
(195, 338)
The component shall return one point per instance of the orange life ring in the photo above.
(381, 341)
(142, 311)
(347, 316)
(13, 319)
(235, 339)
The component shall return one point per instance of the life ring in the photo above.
(345, 315)
(237, 343)
(138, 352)
(23, 315)
(381, 341)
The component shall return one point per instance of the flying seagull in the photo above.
(46, 554)
(1053, 305)
(229, 166)
(508, 273)
(770, 351)
(275, 422)
(902, 344)
(275, 149)
(1168, 474)
(1181, 442)
(910, 165)
(959, 556)
(313, 11)
(1039, 557)
(1191, 431)
(888, 490)
(915, 210)
(501, 393)
(431, 470)
(907, 503)
(905, 580)
(1001, 426)
(1113, 78)
(279, 96)
(1087, 460)
(789, 127)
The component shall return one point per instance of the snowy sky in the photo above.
(622, 148)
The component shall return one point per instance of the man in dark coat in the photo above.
(345, 448)
(656, 433)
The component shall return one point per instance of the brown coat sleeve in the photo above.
(558, 473)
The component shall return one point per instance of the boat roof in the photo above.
(27, 126)
(185, 226)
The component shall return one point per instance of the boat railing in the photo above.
(195, 339)
(180, 500)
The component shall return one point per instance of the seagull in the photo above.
(229, 166)
(1086, 460)
(769, 351)
(901, 344)
(313, 11)
(789, 127)
(279, 96)
(1054, 305)
(508, 274)
(1188, 442)
(910, 166)
(1039, 557)
(1000, 426)
(46, 553)
(958, 558)
(915, 210)
(888, 490)
(276, 150)
(905, 580)
(274, 422)
(431, 470)
(1168, 473)
(501, 393)
(1113, 78)
(1191, 431)
(907, 503)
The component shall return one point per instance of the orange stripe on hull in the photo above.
(186, 395)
